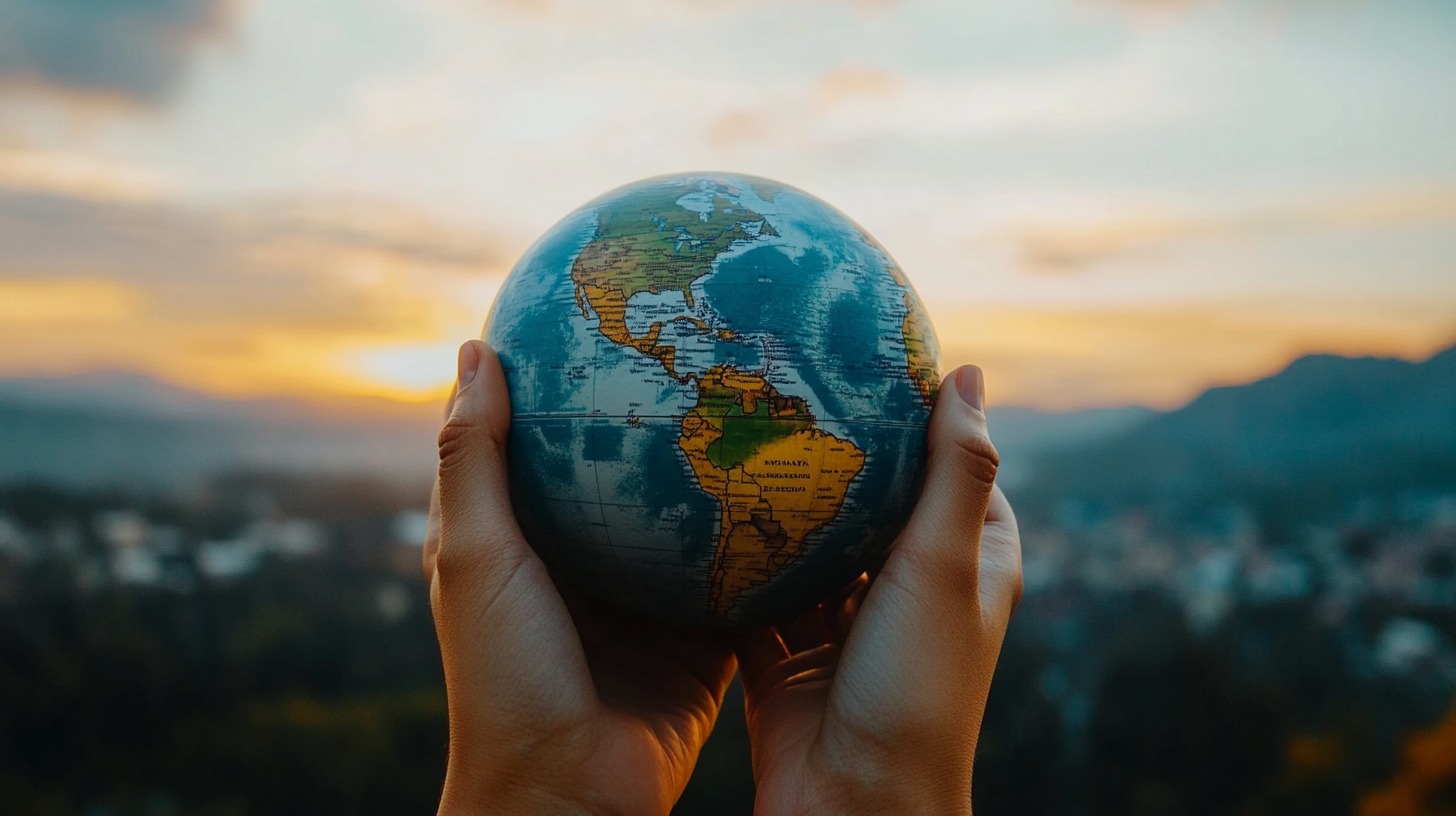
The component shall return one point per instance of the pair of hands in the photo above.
(871, 703)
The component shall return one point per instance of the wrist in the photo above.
(897, 786)
(503, 802)
(470, 792)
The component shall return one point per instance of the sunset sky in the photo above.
(1102, 202)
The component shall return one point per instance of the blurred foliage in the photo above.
(1426, 783)
(296, 689)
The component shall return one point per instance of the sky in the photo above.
(1103, 202)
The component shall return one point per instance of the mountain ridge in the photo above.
(1321, 429)
(1319, 435)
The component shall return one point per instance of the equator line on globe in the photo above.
(720, 387)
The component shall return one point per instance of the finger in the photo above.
(999, 510)
(843, 611)
(512, 660)
(478, 533)
(432, 532)
(920, 626)
(450, 400)
(937, 554)
(1001, 578)
(806, 630)
(759, 651)
(646, 666)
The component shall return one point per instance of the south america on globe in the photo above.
(720, 387)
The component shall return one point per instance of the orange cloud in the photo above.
(855, 82)
(66, 304)
(265, 299)
(1072, 247)
(78, 175)
(737, 128)
(1165, 354)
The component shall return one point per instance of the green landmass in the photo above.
(649, 243)
(750, 414)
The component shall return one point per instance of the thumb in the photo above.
(478, 532)
(939, 550)
(922, 625)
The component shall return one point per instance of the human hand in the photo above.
(556, 704)
(883, 716)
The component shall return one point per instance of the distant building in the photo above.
(235, 557)
(1406, 645)
(14, 542)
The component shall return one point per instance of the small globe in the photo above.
(720, 388)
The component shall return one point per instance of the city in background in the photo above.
(1202, 250)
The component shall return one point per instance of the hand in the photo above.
(556, 705)
(883, 716)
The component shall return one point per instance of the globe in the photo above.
(720, 389)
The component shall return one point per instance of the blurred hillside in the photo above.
(1307, 443)
(113, 430)
(124, 430)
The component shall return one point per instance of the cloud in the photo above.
(635, 12)
(1166, 353)
(135, 51)
(70, 303)
(861, 105)
(263, 297)
(854, 82)
(77, 174)
(1075, 247)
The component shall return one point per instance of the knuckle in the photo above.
(978, 458)
(1018, 589)
(459, 564)
(467, 553)
(941, 571)
(453, 441)
(1001, 567)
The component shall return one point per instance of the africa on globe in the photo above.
(720, 387)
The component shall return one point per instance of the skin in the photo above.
(870, 703)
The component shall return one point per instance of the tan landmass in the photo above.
(651, 244)
(611, 309)
(920, 359)
(788, 485)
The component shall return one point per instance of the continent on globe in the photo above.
(777, 477)
(720, 388)
(680, 246)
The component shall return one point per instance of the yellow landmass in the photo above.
(804, 478)
(770, 504)
(920, 358)
(611, 309)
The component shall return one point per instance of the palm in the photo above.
(558, 704)
(619, 699)
(658, 692)
(825, 700)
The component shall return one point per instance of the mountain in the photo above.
(127, 430)
(1318, 436)
(1023, 434)
(121, 429)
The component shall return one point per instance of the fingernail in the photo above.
(971, 386)
(469, 362)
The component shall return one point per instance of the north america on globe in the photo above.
(720, 388)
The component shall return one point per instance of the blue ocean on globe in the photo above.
(720, 389)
